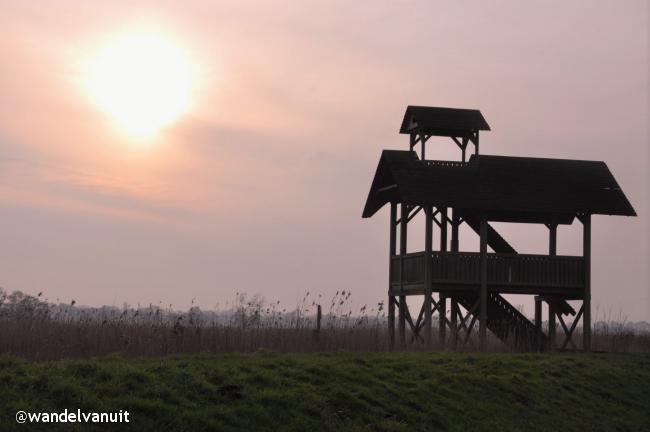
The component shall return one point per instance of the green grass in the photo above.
(338, 392)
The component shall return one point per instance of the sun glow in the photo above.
(143, 80)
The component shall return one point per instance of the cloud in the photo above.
(271, 169)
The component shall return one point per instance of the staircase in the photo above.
(504, 320)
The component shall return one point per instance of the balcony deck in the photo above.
(506, 273)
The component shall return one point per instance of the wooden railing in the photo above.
(504, 270)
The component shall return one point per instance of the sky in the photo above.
(258, 185)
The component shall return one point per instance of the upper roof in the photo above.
(442, 121)
(517, 189)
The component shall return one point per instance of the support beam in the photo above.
(469, 331)
(552, 343)
(568, 335)
(552, 239)
(464, 148)
(414, 211)
(443, 229)
(470, 312)
(453, 339)
(409, 319)
(428, 234)
(455, 224)
(442, 304)
(419, 323)
(482, 329)
(402, 251)
(552, 307)
(586, 253)
(442, 319)
(538, 323)
(419, 135)
(392, 250)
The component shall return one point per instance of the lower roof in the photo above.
(515, 189)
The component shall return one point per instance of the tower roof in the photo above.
(504, 188)
(442, 121)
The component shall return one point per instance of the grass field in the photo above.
(338, 391)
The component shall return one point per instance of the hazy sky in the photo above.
(259, 187)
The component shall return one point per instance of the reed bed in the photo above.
(37, 329)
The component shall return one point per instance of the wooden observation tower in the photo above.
(477, 191)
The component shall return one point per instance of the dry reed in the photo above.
(36, 329)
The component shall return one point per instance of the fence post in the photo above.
(319, 315)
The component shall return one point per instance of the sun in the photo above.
(143, 80)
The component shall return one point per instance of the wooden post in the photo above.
(442, 319)
(482, 329)
(464, 147)
(443, 229)
(586, 253)
(428, 233)
(552, 239)
(551, 327)
(455, 224)
(454, 246)
(391, 253)
(552, 309)
(402, 251)
(453, 339)
(538, 323)
(442, 304)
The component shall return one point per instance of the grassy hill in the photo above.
(338, 392)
